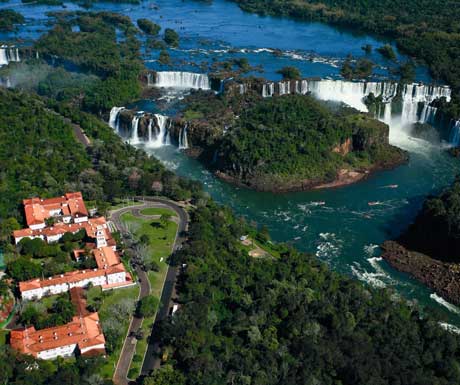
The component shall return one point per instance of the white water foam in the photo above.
(377, 278)
(443, 302)
(178, 79)
(113, 120)
(449, 327)
(329, 247)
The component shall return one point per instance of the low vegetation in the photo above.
(290, 73)
(358, 69)
(171, 37)
(9, 19)
(148, 27)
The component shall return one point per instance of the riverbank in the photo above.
(442, 277)
(344, 177)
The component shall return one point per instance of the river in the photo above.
(337, 225)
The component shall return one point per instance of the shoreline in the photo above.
(344, 178)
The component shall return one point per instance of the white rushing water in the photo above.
(183, 140)
(135, 130)
(157, 129)
(413, 106)
(177, 79)
(455, 133)
(161, 136)
(8, 54)
(113, 120)
(444, 303)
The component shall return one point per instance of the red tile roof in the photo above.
(84, 330)
(105, 256)
(37, 210)
(61, 228)
(70, 277)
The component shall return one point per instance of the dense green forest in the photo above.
(425, 29)
(291, 320)
(25, 370)
(9, 19)
(292, 139)
(39, 155)
(436, 230)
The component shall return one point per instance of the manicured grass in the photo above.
(157, 211)
(110, 298)
(161, 240)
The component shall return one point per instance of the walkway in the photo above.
(129, 346)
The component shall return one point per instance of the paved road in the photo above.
(78, 131)
(129, 346)
(152, 360)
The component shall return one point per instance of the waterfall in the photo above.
(176, 79)
(160, 137)
(268, 90)
(387, 113)
(113, 120)
(454, 137)
(284, 88)
(415, 98)
(183, 141)
(13, 54)
(149, 80)
(3, 57)
(8, 54)
(428, 114)
(134, 130)
(149, 129)
(168, 134)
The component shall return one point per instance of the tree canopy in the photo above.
(291, 320)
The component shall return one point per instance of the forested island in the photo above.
(9, 19)
(286, 143)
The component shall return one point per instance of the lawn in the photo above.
(49, 301)
(111, 298)
(157, 211)
(161, 240)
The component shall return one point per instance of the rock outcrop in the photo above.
(442, 277)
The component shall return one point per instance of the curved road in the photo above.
(129, 347)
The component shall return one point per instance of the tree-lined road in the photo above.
(129, 346)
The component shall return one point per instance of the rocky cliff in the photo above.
(442, 277)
